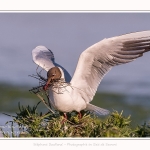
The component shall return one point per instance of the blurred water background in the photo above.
(125, 87)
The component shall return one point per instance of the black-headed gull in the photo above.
(66, 94)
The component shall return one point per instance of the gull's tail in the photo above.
(97, 110)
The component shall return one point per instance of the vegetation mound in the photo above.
(31, 123)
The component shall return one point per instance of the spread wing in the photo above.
(98, 59)
(44, 57)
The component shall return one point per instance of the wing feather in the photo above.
(44, 57)
(97, 60)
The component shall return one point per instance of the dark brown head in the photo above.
(52, 75)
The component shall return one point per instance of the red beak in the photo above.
(47, 83)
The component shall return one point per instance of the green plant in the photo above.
(143, 130)
(31, 123)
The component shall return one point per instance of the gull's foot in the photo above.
(79, 115)
(65, 118)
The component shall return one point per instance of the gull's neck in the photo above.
(62, 73)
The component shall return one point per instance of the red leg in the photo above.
(80, 115)
(65, 118)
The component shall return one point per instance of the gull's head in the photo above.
(53, 74)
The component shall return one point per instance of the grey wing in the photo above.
(44, 57)
(98, 59)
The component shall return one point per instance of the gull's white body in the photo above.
(93, 64)
(67, 96)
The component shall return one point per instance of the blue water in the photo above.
(3, 126)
